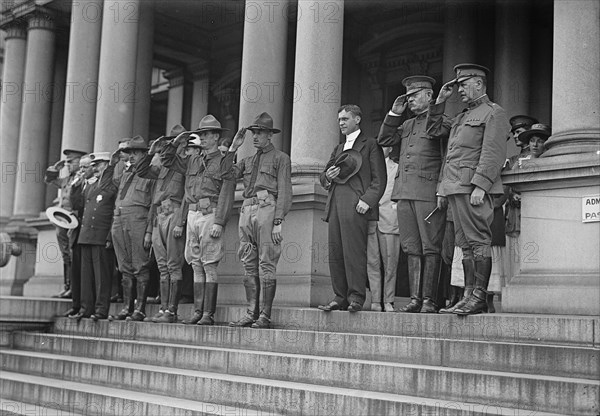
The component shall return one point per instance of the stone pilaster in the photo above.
(200, 78)
(175, 102)
(143, 77)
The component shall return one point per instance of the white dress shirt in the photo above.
(350, 139)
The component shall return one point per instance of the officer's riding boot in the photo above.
(252, 286)
(170, 314)
(268, 292)
(415, 283)
(469, 273)
(456, 294)
(140, 303)
(127, 301)
(198, 304)
(431, 280)
(477, 303)
(66, 293)
(165, 287)
(210, 304)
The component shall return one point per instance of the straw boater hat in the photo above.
(62, 218)
(263, 122)
(349, 162)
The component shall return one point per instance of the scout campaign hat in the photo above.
(62, 218)
(466, 71)
(194, 141)
(136, 143)
(263, 122)
(416, 83)
(522, 121)
(542, 130)
(209, 123)
(100, 157)
(349, 162)
(73, 154)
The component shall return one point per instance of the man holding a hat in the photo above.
(209, 194)
(421, 234)
(471, 175)
(167, 232)
(96, 197)
(132, 228)
(64, 184)
(267, 196)
(355, 177)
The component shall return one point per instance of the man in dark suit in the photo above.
(355, 184)
(415, 190)
(97, 198)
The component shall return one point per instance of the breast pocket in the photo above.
(142, 185)
(268, 176)
(472, 133)
(466, 172)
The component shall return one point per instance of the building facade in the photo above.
(84, 74)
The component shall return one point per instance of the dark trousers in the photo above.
(96, 276)
(76, 277)
(417, 236)
(348, 232)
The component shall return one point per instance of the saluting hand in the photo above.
(181, 139)
(445, 92)
(59, 165)
(399, 104)
(115, 157)
(238, 140)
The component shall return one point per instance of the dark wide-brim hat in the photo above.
(522, 121)
(542, 130)
(209, 123)
(263, 122)
(349, 162)
(73, 154)
(466, 71)
(62, 218)
(416, 83)
(135, 143)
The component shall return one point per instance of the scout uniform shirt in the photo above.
(476, 147)
(205, 177)
(63, 183)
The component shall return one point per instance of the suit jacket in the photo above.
(368, 183)
(99, 202)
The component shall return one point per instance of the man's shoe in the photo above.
(376, 307)
(207, 319)
(97, 316)
(194, 319)
(429, 306)
(136, 316)
(121, 316)
(414, 306)
(78, 316)
(70, 312)
(155, 317)
(388, 307)
(246, 320)
(167, 317)
(262, 322)
(354, 307)
(331, 306)
(476, 304)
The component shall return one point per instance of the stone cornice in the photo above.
(22, 12)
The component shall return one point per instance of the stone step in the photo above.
(74, 398)
(547, 329)
(527, 358)
(510, 389)
(17, 408)
(263, 394)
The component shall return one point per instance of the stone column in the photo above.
(560, 224)
(200, 77)
(82, 75)
(460, 38)
(10, 114)
(116, 74)
(30, 189)
(143, 77)
(175, 100)
(263, 65)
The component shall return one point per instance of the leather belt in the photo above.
(206, 210)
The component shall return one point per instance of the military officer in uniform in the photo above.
(267, 196)
(132, 228)
(209, 194)
(471, 175)
(415, 190)
(168, 241)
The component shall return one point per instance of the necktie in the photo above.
(127, 185)
(255, 168)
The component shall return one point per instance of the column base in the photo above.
(15, 274)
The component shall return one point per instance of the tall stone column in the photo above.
(263, 65)
(116, 74)
(175, 98)
(200, 77)
(143, 77)
(10, 114)
(82, 75)
(460, 37)
(34, 134)
(560, 223)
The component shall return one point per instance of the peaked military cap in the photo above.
(466, 71)
(416, 83)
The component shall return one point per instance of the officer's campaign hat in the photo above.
(416, 83)
(466, 71)
(522, 121)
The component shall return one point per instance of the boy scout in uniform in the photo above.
(64, 184)
(209, 193)
(267, 200)
(471, 175)
(167, 241)
(132, 229)
(421, 234)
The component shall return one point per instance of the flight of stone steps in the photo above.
(313, 363)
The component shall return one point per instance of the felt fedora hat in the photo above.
(263, 122)
(62, 218)
(349, 162)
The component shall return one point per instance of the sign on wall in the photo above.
(590, 208)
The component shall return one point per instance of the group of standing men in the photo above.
(175, 198)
